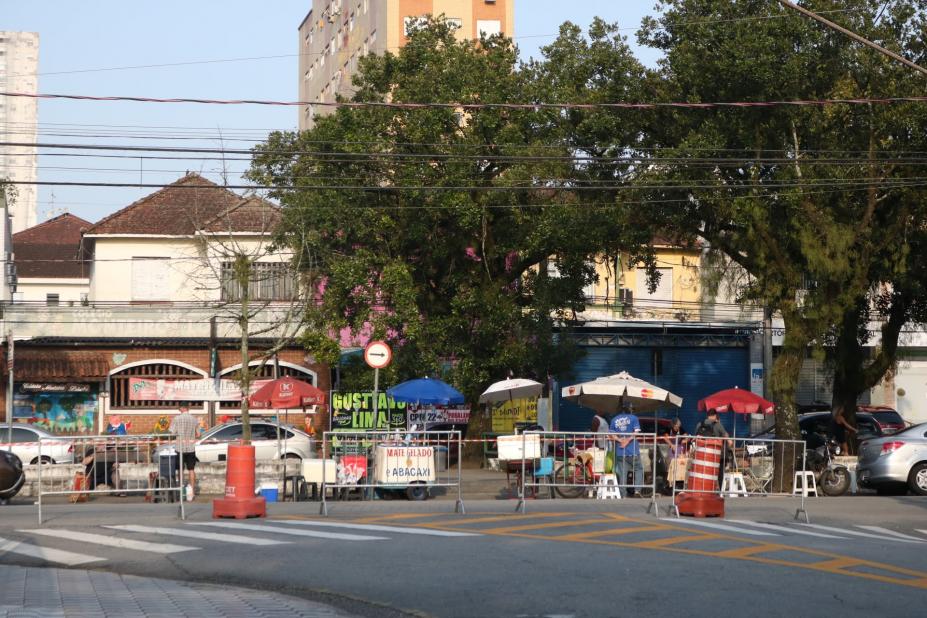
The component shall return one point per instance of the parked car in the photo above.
(814, 427)
(895, 463)
(293, 443)
(26, 438)
(888, 419)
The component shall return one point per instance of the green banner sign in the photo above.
(354, 412)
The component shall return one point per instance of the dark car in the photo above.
(888, 419)
(815, 426)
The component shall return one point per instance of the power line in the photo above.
(535, 106)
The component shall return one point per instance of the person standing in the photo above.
(627, 450)
(185, 427)
(838, 428)
(711, 427)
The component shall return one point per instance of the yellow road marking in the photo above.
(673, 540)
(831, 563)
(581, 536)
(545, 526)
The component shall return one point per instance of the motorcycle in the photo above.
(831, 477)
(12, 476)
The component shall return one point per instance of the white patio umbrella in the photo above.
(609, 393)
(513, 388)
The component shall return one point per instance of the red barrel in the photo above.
(703, 499)
(239, 501)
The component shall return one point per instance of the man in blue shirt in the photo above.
(627, 450)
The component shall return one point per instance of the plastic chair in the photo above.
(803, 490)
(544, 472)
(608, 488)
(733, 485)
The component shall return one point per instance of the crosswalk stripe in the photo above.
(111, 541)
(375, 528)
(707, 524)
(58, 556)
(785, 529)
(922, 531)
(200, 534)
(867, 535)
(312, 533)
(899, 535)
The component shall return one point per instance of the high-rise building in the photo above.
(337, 33)
(19, 63)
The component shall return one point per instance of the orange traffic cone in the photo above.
(239, 501)
(704, 499)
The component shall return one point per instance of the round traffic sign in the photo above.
(378, 354)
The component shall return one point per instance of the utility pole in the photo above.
(853, 35)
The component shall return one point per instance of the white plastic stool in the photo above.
(608, 488)
(734, 485)
(803, 490)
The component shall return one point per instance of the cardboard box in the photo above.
(514, 448)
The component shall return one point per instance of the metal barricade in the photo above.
(112, 465)
(384, 464)
(576, 464)
(748, 467)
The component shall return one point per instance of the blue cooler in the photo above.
(269, 492)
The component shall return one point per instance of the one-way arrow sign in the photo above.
(378, 354)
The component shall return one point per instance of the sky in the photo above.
(232, 49)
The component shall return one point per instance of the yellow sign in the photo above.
(506, 414)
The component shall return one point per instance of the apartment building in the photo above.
(336, 34)
(19, 63)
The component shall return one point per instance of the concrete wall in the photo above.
(37, 290)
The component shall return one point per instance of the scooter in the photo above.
(831, 477)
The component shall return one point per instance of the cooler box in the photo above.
(401, 465)
(510, 447)
(598, 459)
(312, 470)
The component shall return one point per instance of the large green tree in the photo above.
(462, 235)
(815, 202)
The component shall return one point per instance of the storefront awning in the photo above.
(60, 366)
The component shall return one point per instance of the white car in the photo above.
(55, 449)
(292, 444)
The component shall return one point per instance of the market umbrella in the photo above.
(609, 393)
(513, 388)
(284, 393)
(426, 391)
(738, 401)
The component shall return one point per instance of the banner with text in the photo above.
(204, 389)
(354, 412)
(507, 414)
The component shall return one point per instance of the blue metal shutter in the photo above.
(703, 371)
(599, 361)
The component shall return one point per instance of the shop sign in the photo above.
(507, 414)
(57, 411)
(204, 389)
(53, 387)
(354, 412)
(440, 416)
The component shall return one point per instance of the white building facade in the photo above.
(19, 64)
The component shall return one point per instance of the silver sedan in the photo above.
(893, 463)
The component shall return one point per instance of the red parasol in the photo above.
(286, 393)
(736, 400)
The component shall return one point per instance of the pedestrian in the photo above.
(623, 427)
(838, 428)
(711, 427)
(185, 427)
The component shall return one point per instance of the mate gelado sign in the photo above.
(354, 412)
(401, 465)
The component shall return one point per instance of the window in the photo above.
(411, 24)
(22, 435)
(51, 300)
(120, 398)
(150, 279)
(488, 27)
(664, 291)
(269, 281)
(229, 433)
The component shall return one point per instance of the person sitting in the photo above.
(98, 470)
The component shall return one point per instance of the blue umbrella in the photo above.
(426, 391)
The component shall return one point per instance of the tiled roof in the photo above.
(59, 365)
(51, 249)
(249, 215)
(179, 209)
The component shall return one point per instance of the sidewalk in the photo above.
(27, 592)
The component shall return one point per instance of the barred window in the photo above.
(119, 386)
(265, 373)
(269, 281)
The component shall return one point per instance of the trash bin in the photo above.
(169, 468)
(441, 458)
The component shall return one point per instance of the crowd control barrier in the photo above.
(110, 465)
(745, 467)
(387, 465)
(583, 464)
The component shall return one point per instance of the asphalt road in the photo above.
(861, 555)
